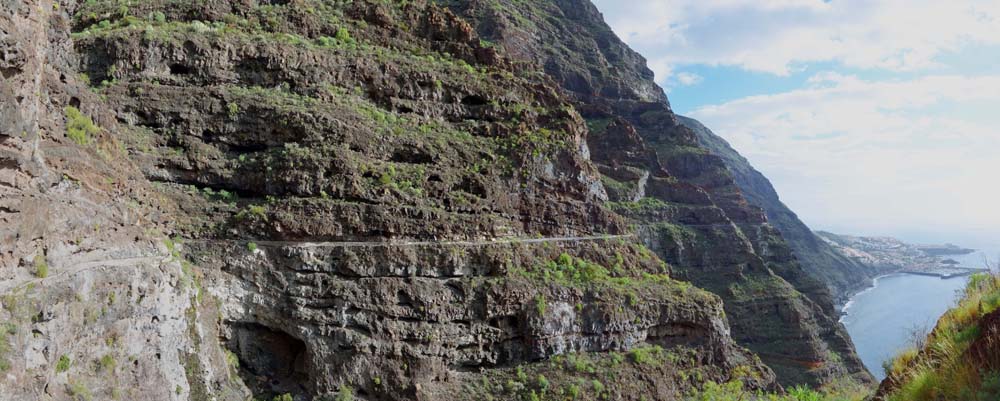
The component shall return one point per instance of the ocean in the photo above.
(883, 319)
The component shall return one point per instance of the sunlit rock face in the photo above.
(680, 191)
(842, 274)
(395, 201)
(221, 200)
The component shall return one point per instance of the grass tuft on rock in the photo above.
(63, 364)
(41, 266)
(79, 127)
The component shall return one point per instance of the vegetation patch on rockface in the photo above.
(442, 136)
(735, 390)
(79, 127)
(367, 121)
(584, 376)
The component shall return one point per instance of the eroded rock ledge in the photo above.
(239, 199)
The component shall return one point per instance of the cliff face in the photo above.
(219, 200)
(680, 195)
(93, 303)
(842, 274)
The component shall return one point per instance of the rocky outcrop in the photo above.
(432, 321)
(233, 199)
(680, 195)
(844, 276)
(585, 58)
(93, 302)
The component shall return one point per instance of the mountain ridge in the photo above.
(196, 143)
(843, 275)
(644, 152)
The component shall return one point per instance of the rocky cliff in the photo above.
(373, 200)
(222, 200)
(844, 275)
(680, 196)
(94, 304)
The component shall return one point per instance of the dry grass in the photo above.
(942, 369)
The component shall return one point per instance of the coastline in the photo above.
(944, 275)
(956, 272)
(850, 300)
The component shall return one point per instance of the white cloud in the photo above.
(886, 156)
(876, 156)
(688, 78)
(779, 36)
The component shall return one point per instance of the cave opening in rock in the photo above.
(473, 100)
(271, 362)
(179, 69)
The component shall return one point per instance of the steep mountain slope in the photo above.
(363, 199)
(681, 197)
(93, 303)
(843, 275)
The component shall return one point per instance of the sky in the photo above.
(869, 117)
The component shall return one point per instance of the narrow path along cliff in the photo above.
(377, 201)
(348, 244)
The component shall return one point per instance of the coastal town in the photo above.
(890, 255)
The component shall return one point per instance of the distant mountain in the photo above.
(843, 275)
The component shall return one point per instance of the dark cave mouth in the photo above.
(271, 362)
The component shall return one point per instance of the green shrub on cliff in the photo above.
(542, 383)
(540, 305)
(79, 391)
(642, 205)
(734, 390)
(578, 272)
(41, 267)
(63, 364)
(597, 385)
(646, 355)
(255, 211)
(107, 363)
(343, 35)
(79, 127)
(158, 17)
(6, 330)
(346, 394)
